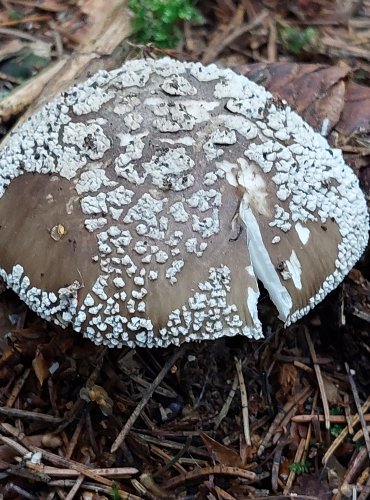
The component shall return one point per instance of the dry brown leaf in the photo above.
(40, 367)
(287, 376)
(331, 391)
(356, 112)
(222, 454)
(98, 395)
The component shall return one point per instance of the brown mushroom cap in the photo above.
(142, 205)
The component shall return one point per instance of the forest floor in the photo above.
(286, 417)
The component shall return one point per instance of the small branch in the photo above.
(76, 434)
(334, 419)
(285, 413)
(17, 388)
(359, 409)
(32, 415)
(14, 445)
(146, 396)
(198, 474)
(337, 441)
(297, 458)
(320, 380)
(226, 406)
(112, 472)
(347, 412)
(276, 461)
(244, 399)
(73, 491)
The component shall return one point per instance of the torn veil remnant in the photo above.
(142, 205)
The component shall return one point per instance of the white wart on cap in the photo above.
(142, 206)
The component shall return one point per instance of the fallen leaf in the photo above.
(222, 454)
(287, 376)
(331, 391)
(40, 367)
(98, 395)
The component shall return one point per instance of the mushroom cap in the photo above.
(142, 206)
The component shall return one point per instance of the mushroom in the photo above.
(143, 205)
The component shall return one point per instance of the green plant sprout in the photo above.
(299, 467)
(156, 21)
(296, 41)
(115, 494)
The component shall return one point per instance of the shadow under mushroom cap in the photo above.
(142, 205)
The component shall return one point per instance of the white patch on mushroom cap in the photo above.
(93, 180)
(262, 265)
(293, 270)
(303, 233)
(255, 187)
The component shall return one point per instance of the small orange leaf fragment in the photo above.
(40, 367)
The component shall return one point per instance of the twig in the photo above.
(365, 490)
(288, 416)
(21, 493)
(158, 492)
(91, 433)
(33, 415)
(13, 444)
(112, 472)
(146, 396)
(171, 461)
(288, 497)
(48, 6)
(276, 463)
(335, 419)
(24, 20)
(18, 34)
(347, 412)
(344, 433)
(198, 474)
(143, 490)
(309, 430)
(320, 380)
(358, 406)
(301, 359)
(222, 494)
(82, 469)
(297, 458)
(19, 470)
(244, 399)
(173, 445)
(17, 388)
(302, 366)
(282, 414)
(226, 406)
(95, 488)
(302, 451)
(236, 33)
(271, 46)
(72, 492)
(76, 434)
(355, 466)
(359, 434)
